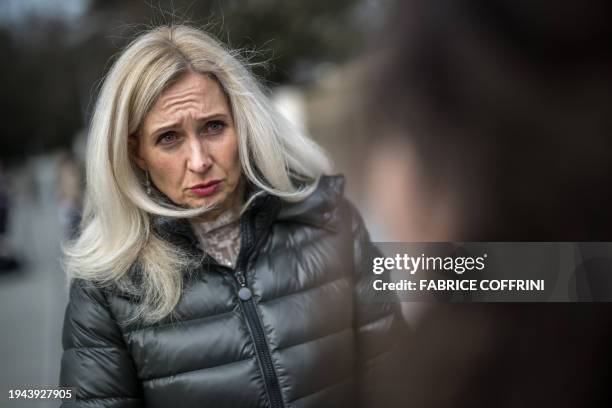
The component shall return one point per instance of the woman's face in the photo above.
(188, 144)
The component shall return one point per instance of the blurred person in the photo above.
(7, 261)
(69, 193)
(494, 125)
(4, 209)
(501, 111)
(217, 263)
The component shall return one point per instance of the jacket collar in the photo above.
(320, 208)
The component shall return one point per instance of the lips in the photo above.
(206, 189)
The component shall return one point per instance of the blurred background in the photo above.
(453, 120)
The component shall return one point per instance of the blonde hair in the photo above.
(116, 227)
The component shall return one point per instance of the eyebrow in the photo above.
(169, 126)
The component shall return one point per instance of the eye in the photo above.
(215, 126)
(167, 138)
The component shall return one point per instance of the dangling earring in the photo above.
(148, 183)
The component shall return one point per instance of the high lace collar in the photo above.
(227, 217)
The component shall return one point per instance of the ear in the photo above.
(134, 152)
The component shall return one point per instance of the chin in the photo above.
(198, 203)
(206, 201)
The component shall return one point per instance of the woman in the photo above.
(217, 265)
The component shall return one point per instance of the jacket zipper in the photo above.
(254, 322)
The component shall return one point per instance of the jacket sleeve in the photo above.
(95, 361)
(380, 328)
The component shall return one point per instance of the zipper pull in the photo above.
(244, 293)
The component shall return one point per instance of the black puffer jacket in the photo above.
(296, 335)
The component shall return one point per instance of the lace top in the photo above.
(220, 238)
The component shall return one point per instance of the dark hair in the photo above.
(509, 102)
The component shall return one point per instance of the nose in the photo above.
(199, 159)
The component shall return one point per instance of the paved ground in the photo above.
(32, 300)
